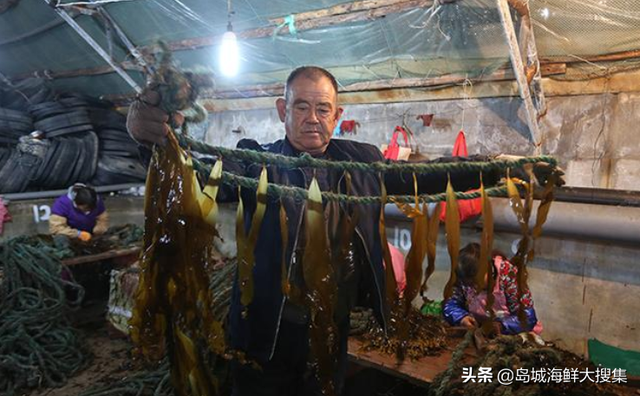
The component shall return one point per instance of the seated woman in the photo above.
(468, 308)
(78, 214)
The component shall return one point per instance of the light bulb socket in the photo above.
(229, 27)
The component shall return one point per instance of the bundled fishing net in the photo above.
(38, 345)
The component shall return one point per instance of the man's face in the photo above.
(310, 113)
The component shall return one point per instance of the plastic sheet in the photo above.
(463, 37)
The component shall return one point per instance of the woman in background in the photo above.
(79, 213)
(468, 308)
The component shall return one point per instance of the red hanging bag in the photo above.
(394, 151)
(467, 208)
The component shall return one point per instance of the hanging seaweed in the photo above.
(543, 212)
(320, 293)
(433, 230)
(284, 236)
(390, 279)
(246, 243)
(522, 212)
(173, 309)
(486, 244)
(452, 228)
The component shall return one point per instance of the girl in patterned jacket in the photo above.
(468, 308)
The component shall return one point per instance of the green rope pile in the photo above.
(38, 345)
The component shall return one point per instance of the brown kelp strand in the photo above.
(543, 211)
(246, 242)
(284, 236)
(173, 311)
(433, 230)
(452, 228)
(413, 270)
(427, 336)
(486, 243)
(522, 212)
(391, 292)
(320, 293)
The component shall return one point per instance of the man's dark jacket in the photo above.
(257, 331)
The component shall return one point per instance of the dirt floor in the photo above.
(110, 363)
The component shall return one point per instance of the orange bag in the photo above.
(467, 208)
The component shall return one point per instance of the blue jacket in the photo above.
(256, 333)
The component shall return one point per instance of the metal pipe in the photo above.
(56, 193)
(87, 37)
(584, 221)
(598, 196)
(566, 219)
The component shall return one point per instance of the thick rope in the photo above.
(307, 161)
(300, 194)
(38, 346)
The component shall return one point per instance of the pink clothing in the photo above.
(4, 215)
(397, 259)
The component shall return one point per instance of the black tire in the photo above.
(69, 131)
(39, 178)
(15, 115)
(63, 120)
(91, 145)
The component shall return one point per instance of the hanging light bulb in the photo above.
(229, 55)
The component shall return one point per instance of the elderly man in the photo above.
(274, 331)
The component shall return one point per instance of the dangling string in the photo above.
(467, 87)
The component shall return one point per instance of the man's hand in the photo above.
(541, 170)
(146, 122)
(469, 322)
(84, 236)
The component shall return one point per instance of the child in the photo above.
(468, 308)
(78, 214)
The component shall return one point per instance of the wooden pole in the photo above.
(518, 70)
(529, 51)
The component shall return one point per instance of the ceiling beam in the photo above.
(272, 90)
(345, 8)
(364, 11)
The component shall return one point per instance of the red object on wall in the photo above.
(393, 149)
(467, 208)
(349, 126)
(426, 119)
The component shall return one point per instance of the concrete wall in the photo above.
(595, 137)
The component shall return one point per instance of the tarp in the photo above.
(464, 37)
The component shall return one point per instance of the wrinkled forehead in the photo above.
(311, 87)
